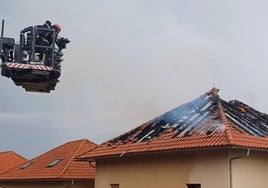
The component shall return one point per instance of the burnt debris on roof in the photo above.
(200, 116)
(246, 118)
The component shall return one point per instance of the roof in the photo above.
(9, 160)
(58, 163)
(205, 122)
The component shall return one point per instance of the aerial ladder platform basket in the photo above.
(22, 61)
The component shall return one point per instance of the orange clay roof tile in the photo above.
(205, 122)
(66, 168)
(9, 160)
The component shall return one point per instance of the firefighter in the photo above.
(44, 31)
(43, 39)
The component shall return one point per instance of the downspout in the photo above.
(69, 185)
(231, 168)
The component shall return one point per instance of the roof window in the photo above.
(55, 162)
(27, 165)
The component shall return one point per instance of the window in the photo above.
(54, 162)
(114, 185)
(193, 185)
(27, 165)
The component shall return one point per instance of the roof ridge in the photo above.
(223, 116)
(71, 159)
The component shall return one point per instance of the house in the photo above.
(9, 160)
(55, 168)
(205, 143)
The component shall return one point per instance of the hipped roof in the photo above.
(9, 160)
(205, 122)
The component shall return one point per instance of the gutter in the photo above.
(231, 166)
(123, 154)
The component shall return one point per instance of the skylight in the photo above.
(27, 165)
(55, 162)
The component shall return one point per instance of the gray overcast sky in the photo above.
(130, 61)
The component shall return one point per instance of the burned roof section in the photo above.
(199, 116)
(207, 121)
(246, 119)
